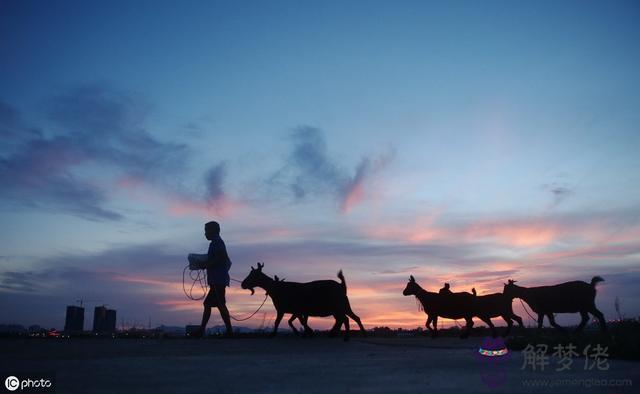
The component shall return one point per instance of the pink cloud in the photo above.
(354, 196)
(221, 207)
(176, 204)
(355, 189)
(129, 182)
(418, 229)
(517, 233)
(524, 234)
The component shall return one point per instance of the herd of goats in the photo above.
(329, 298)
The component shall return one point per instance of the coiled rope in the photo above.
(200, 278)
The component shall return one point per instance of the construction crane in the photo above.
(81, 301)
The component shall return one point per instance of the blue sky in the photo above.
(458, 141)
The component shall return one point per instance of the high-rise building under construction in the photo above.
(74, 321)
(104, 320)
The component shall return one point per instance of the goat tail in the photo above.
(343, 282)
(595, 280)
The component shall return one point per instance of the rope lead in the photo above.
(201, 279)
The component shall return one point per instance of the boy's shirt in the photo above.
(218, 271)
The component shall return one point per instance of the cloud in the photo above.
(18, 281)
(9, 118)
(354, 188)
(559, 192)
(213, 182)
(310, 171)
(40, 176)
(93, 131)
(313, 170)
(12, 128)
(36, 171)
(95, 145)
(214, 200)
(397, 271)
(145, 280)
(514, 232)
(517, 232)
(107, 125)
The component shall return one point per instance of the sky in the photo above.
(466, 142)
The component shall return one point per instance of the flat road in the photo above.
(290, 364)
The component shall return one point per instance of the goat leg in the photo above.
(275, 327)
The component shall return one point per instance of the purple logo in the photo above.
(493, 356)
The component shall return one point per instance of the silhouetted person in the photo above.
(218, 266)
(445, 289)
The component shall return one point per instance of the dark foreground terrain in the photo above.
(289, 364)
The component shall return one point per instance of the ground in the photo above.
(290, 364)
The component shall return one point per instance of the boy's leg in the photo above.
(222, 307)
(224, 313)
(206, 314)
(208, 303)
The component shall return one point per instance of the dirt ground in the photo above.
(290, 364)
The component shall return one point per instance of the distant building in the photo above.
(111, 320)
(104, 320)
(35, 328)
(99, 319)
(74, 321)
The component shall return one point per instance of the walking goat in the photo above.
(317, 298)
(569, 297)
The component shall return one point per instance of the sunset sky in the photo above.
(468, 142)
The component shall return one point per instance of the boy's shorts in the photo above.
(215, 297)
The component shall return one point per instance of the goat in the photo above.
(317, 298)
(569, 297)
(493, 305)
(451, 306)
(463, 305)
(302, 318)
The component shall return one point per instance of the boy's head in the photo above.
(211, 230)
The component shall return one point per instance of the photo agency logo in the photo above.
(12, 383)
(26, 383)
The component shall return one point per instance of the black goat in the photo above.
(462, 305)
(302, 318)
(317, 298)
(493, 305)
(569, 297)
(450, 306)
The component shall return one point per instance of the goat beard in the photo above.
(252, 290)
